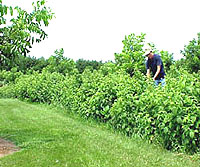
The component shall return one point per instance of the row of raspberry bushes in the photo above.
(169, 115)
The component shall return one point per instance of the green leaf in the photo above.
(192, 134)
(106, 108)
(166, 130)
(5, 10)
(32, 40)
(42, 2)
(11, 11)
(179, 120)
(193, 119)
(38, 4)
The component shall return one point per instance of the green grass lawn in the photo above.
(50, 137)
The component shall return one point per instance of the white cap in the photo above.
(147, 49)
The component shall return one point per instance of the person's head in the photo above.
(148, 52)
(150, 55)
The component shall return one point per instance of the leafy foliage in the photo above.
(25, 29)
(192, 55)
(81, 65)
(58, 63)
(133, 105)
(25, 64)
(7, 77)
(168, 115)
(167, 59)
(131, 58)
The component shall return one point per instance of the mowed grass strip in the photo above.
(50, 137)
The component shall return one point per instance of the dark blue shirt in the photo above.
(152, 65)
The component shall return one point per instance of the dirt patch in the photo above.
(7, 147)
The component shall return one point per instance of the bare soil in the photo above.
(7, 147)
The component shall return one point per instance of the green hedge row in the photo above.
(133, 105)
(7, 77)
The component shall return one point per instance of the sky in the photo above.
(94, 29)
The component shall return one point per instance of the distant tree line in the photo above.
(55, 63)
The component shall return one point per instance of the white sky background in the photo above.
(94, 29)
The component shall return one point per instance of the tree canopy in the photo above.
(192, 54)
(23, 30)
